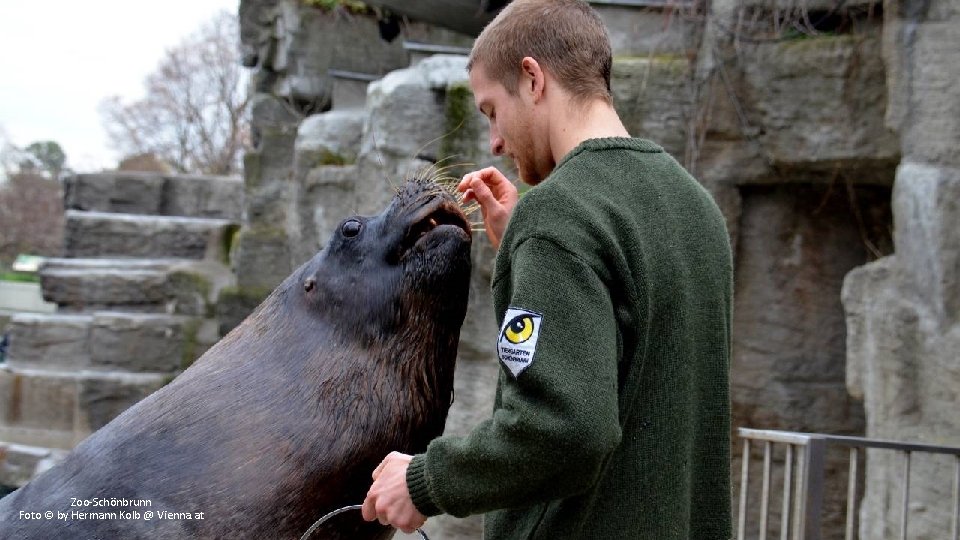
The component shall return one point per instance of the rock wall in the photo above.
(903, 311)
(788, 133)
(809, 139)
(787, 130)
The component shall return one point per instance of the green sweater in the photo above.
(613, 283)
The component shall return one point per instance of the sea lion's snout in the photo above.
(441, 217)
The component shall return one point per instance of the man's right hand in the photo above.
(496, 196)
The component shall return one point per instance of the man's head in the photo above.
(566, 37)
(534, 61)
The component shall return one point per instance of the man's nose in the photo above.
(496, 144)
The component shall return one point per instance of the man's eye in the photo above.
(351, 228)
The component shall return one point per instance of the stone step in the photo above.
(19, 463)
(59, 408)
(101, 234)
(107, 341)
(156, 194)
(55, 340)
(185, 287)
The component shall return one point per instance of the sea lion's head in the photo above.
(404, 270)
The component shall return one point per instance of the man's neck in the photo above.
(575, 123)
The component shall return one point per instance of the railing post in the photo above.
(813, 486)
(803, 481)
(851, 493)
(956, 497)
(744, 480)
(765, 493)
(905, 506)
(787, 493)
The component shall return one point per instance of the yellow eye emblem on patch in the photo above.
(519, 330)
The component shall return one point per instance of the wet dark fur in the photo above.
(286, 417)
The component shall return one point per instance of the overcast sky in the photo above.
(60, 58)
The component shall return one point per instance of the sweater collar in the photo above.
(610, 143)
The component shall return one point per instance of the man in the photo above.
(613, 284)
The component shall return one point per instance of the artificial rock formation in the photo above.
(903, 311)
(786, 131)
(822, 128)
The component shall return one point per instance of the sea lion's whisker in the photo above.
(433, 140)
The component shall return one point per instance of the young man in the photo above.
(613, 283)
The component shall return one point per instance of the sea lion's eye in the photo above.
(350, 228)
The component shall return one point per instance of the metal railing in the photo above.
(803, 480)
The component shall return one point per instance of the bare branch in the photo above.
(192, 115)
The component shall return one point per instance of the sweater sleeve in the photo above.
(557, 420)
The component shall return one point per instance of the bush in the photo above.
(22, 277)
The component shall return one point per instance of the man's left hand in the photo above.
(388, 500)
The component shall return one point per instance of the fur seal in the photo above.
(285, 418)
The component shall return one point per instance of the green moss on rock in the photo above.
(190, 331)
(236, 303)
(459, 144)
(354, 6)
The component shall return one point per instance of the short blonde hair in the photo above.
(566, 37)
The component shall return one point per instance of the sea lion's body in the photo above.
(286, 417)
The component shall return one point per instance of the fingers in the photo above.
(483, 195)
(388, 500)
(496, 196)
(379, 469)
(368, 510)
(387, 509)
(490, 176)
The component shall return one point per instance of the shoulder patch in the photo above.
(518, 339)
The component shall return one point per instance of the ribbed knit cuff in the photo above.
(418, 487)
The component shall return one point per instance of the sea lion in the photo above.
(285, 418)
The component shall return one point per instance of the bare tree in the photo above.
(193, 114)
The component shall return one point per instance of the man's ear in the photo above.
(532, 78)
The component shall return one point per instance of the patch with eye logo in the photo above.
(518, 339)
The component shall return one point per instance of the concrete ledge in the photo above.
(17, 296)
(19, 463)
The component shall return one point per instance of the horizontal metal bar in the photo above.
(353, 75)
(892, 445)
(786, 437)
(860, 442)
(430, 48)
(644, 3)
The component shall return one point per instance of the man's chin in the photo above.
(529, 177)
